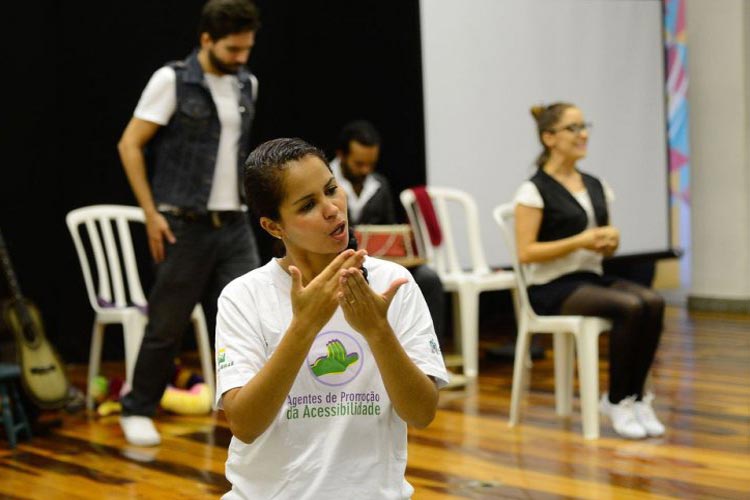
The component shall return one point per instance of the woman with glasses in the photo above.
(562, 233)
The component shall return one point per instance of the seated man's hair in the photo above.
(360, 131)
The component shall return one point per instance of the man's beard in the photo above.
(221, 66)
(351, 176)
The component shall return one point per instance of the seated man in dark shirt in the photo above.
(371, 201)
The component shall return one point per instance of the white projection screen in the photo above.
(486, 62)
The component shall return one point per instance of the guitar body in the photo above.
(42, 373)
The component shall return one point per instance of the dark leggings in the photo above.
(637, 314)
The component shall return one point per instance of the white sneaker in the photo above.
(139, 430)
(644, 412)
(623, 417)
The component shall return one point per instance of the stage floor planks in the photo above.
(701, 378)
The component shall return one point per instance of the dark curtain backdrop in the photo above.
(76, 70)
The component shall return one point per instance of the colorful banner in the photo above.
(677, 123)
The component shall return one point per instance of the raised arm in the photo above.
(414, 395)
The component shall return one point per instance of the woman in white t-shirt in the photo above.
(562, 233)
(323, 355)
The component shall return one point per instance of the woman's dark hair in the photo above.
(264, 186)
(220, 18)
(546, 118)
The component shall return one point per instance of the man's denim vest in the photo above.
(183, 153)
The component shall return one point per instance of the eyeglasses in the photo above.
(574, 128)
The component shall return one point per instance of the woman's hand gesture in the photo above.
(314, 303)
(364, 309)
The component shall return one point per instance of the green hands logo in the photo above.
(336, 358)
(336, 361)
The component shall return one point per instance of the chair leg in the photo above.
(520, 371)
(563, 347)
(456, 307)
(7, 414)
(588, 374)
(204, 349)
(23, 422)
(469, 300)
(95, 357)
(517, 308)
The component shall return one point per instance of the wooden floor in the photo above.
(701, 377)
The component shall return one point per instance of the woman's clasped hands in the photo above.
(603, 239)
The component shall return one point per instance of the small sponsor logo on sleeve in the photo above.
(434, 346)
(222, 359)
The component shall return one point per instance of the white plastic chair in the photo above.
(583, 331)
(117, 297)
(465, 284)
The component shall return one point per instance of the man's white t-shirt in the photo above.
(158, 103)
(538, 273)
(337, 434)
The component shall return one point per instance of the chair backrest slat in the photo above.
(100, 257)
(447, 258)
(128, 258)
(504, 215)
(113, 261)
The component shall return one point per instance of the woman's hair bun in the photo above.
(537, 111)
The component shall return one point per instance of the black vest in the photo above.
(184, 151)
(562, 215)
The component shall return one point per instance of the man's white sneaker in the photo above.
(644, 412)
(139, 430)
(622, 416)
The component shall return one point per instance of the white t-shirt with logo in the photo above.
(337, 434)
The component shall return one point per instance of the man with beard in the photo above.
(371, 201)
(192, 127)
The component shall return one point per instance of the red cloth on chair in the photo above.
(428, 213)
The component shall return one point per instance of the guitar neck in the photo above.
(10, 276)
(15, 290)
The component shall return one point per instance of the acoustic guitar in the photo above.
(42, 373)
